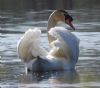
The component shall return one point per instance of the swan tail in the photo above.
(29, 45)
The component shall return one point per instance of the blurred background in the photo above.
(36, 5)
(16, 12)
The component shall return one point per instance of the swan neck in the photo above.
(51, 23)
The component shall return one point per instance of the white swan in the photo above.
(64, 45)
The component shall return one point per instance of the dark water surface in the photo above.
(12, 71)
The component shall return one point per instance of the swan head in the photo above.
(60, 15)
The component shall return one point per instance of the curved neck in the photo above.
(51, 23)
(54, 18)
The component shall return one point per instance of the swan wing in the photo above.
(66, 43)
(29, 45)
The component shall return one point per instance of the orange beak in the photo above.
(71, 25)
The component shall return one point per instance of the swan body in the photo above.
(64, 48)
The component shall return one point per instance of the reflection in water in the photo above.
(51, 78)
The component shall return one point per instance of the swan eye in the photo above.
(67, 16)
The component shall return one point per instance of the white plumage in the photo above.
(29, 45)
(62, 56)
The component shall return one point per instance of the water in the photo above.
(12, 70)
